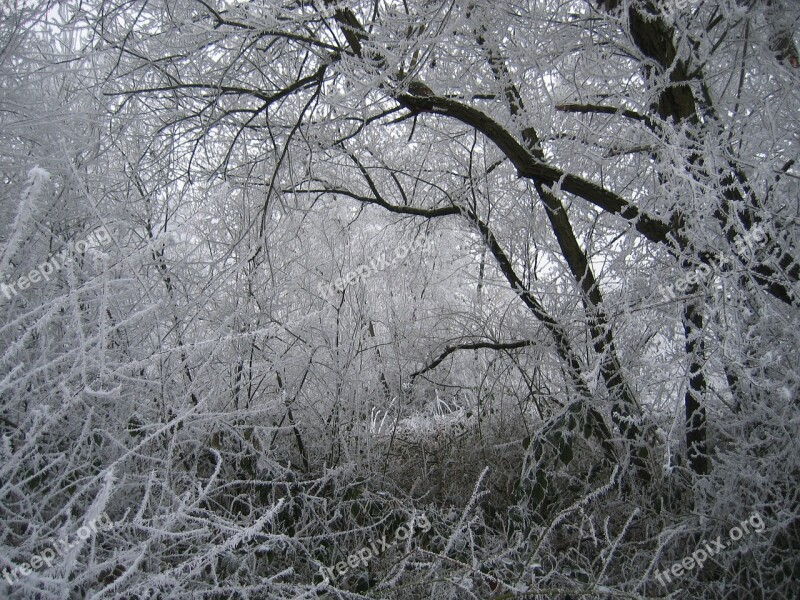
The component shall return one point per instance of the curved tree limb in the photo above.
(471, 346)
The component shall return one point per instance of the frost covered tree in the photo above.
(527, 267)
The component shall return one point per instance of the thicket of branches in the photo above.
(527, 268)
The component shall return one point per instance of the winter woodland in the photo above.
(447, 299)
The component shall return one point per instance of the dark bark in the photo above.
(739, 205)
(625, 408)
(696, 427)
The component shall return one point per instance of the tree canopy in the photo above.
(280, 279)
